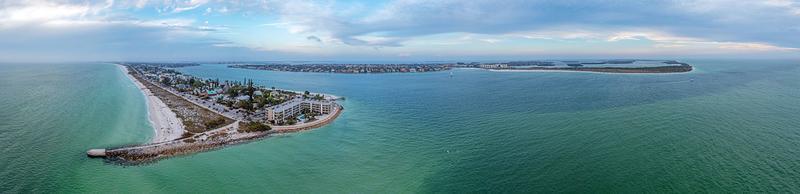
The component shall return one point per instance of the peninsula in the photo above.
(192, 115)
(605, 66)
(348, 68)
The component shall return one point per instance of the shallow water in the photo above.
(728, 126)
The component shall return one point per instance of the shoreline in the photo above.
(201, 142)
(583, 71)
(324, 95)
(165, 123)
(170, 138)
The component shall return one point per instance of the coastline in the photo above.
(326, 96)
(201, 142)
(165, 123)
(173, 137)
(592, 72)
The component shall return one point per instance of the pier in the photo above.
(94, 153)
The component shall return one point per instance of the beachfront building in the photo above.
(280, 113)
(494, 66)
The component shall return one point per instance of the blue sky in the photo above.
(204, 30)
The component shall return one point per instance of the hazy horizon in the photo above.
(380, 61)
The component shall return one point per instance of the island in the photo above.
(603, 66)
(191, 115)
(348, 68)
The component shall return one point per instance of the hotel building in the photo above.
(294, 107)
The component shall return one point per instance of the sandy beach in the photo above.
(167, 141)
(165, 123)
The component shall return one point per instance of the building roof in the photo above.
(245, 97)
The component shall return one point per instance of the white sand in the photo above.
(165, 123)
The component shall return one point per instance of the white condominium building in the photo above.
(295, 106)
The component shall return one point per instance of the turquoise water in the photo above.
(729, 126)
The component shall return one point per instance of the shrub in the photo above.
(253, 127)
(214, 123)
(186, 134)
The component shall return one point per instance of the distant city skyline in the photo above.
(396, 30)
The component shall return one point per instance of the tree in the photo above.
(214, 123)
(165, 81)
(232, 92)
(250, 88)
(291, 121)
(244, 104)
(312, 116)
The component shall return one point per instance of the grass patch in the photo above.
(253, 127)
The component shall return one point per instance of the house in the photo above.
(182, 86)
(211, 92)
(494, 66)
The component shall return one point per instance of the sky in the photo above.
(401, 30)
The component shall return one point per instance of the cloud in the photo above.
(182, 6)
(314, 38)
(131, 29)
(659, 39)
(771, 22)
(141, 3)
(14, 13)
(52, 31)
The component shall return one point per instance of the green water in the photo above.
(729, 126)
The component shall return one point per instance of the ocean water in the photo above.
(728, 126)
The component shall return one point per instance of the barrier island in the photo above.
(191, 115)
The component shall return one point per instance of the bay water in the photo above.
(728, 126)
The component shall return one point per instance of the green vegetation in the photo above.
(165, 81)
(318, 97)
(253, 127)
(311, 116)
(291, 121)
(195, 119)
(215, 123)
(244, 104)
(186, 134)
